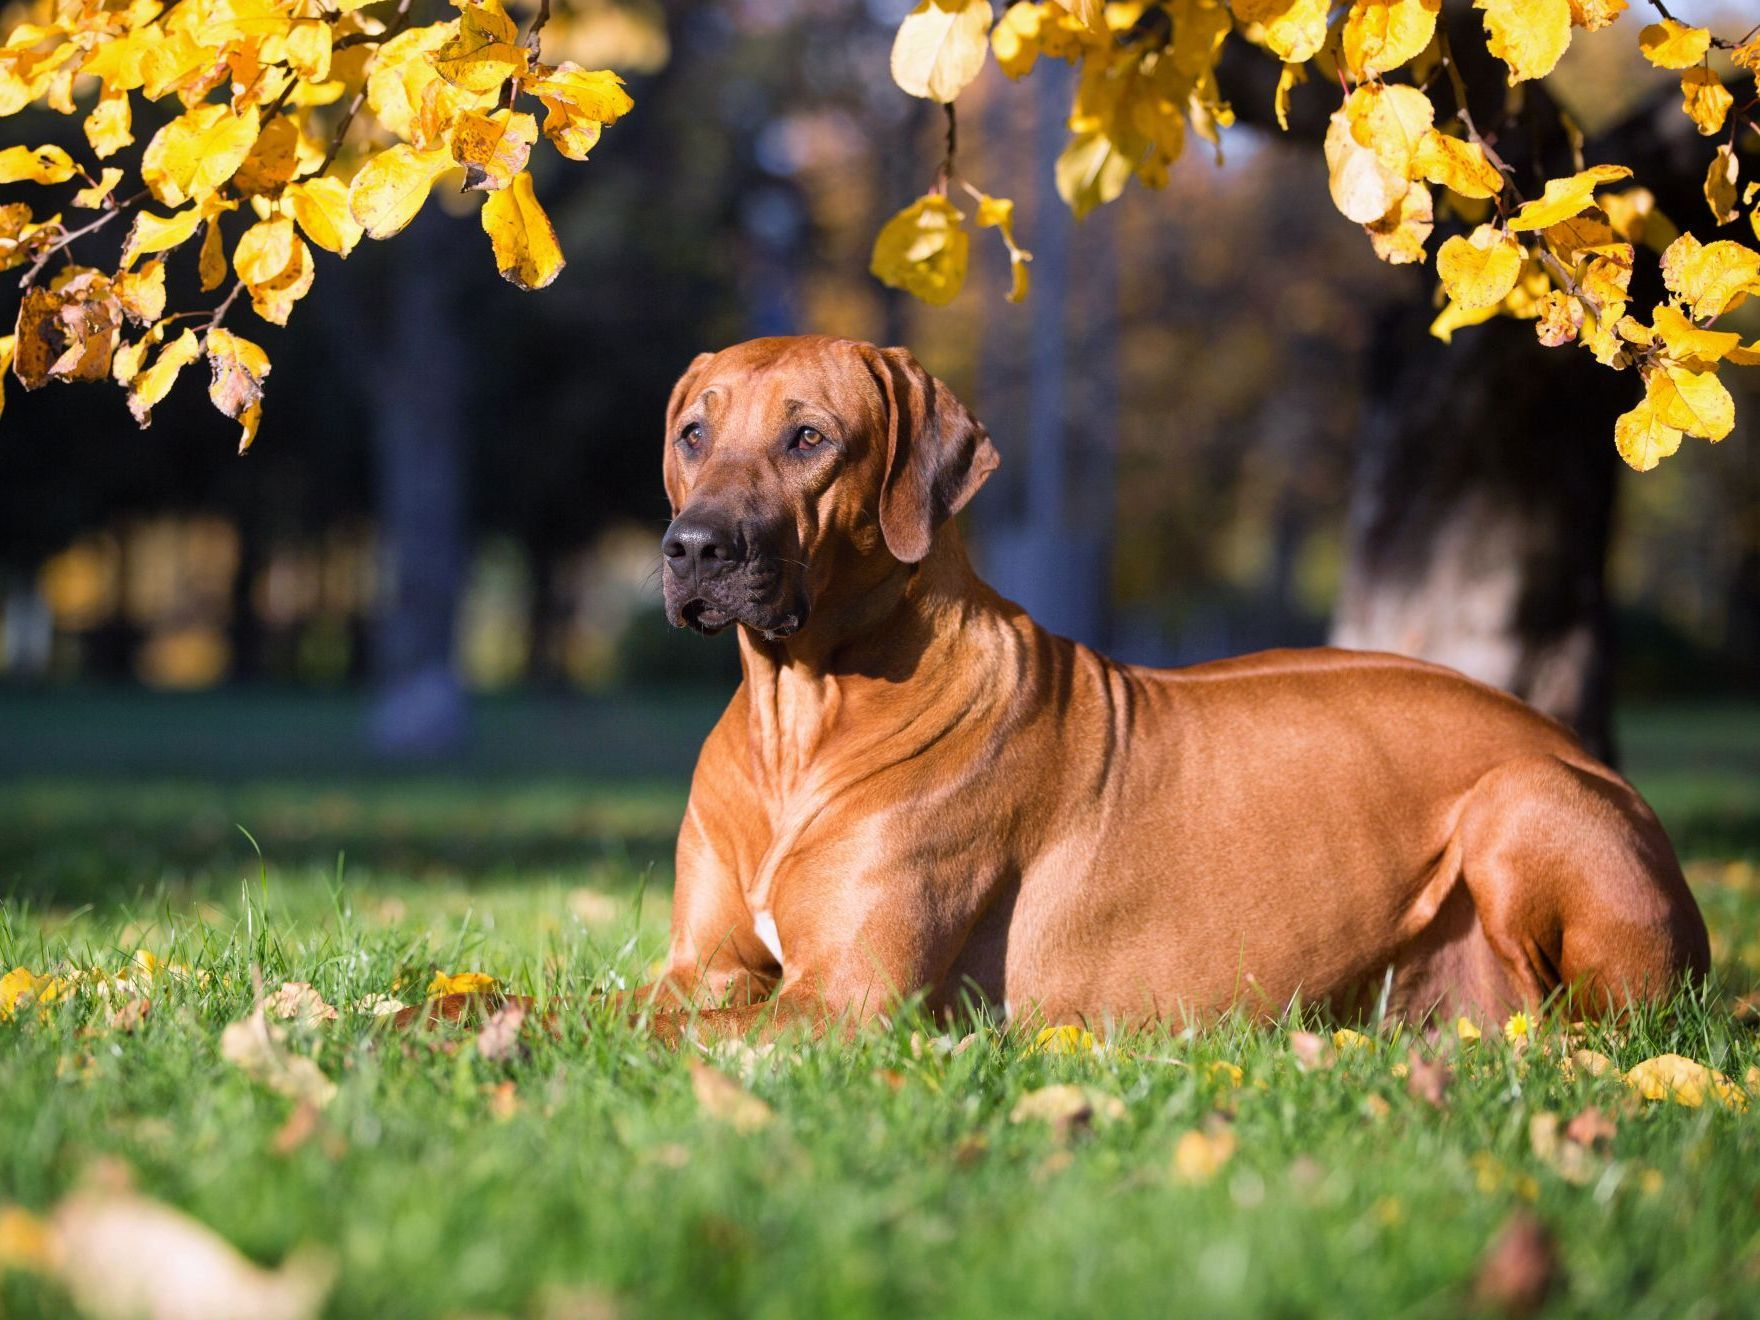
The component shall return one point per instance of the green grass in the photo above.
(891, 1180)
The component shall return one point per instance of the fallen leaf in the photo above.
(1592, 1128)
(1067, 1108)
(1428, 1079)
(122, 1256)
(1520, 1268)
(1064, 1040)
(299, 1128)
(130, 1015)
(298, 1002)
(24, 1240)
(1683, 1081)
(503, 1101)
(725, 1100)
(1593, 1062)
(499, 1038)
(1311, 1051)
(255, 1047)
(1199, 1155)
(1344, 1040)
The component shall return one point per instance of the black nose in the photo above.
(699, 544)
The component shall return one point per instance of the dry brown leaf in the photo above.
(503, 1101)
(255, 1047)
(499, 1039)
(726, 1101)
(1067, 1108)
(1520, 1267)
(1592, 1128)
(298, 1002)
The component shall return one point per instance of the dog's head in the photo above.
(801, 472)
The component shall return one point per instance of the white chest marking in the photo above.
(765, 926)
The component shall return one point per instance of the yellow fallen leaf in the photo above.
(1064, 1040)
(1067, 1107)
(461, 983)
(725, 1100)
(526, 251)
(1198, 1156)
(1592, 1062)
(1465, 1030)
(940, 47)
(295, 1001)
(1684, 1081)
(1344, 1039)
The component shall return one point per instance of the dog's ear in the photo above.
(937, 454)
(681, 394)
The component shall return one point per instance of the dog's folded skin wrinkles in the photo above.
(918, 790)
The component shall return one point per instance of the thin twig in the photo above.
(1720, 42)
(944, 171)
(397, 24)
(225, 306)
(69, 236)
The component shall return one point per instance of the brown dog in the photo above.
(917, 789)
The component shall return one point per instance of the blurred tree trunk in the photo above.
(1480, 515)
(419, 458)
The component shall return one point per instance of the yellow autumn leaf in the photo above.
(1720, 184)
(388, 191)
(1015, 39)
(153, 384)
(1527, 35)
(235, 387)
(1393, 121)
(1345, 1040)
(1479, 270)
(580, 102)
(1362, 187)
(272, 161)
(484, 53)
(1673, 45)
(526, 251)
(1292, 76)
(108, 127)
(1712, 277)
(1566, 197)
(1293, 30)
(1399, 236)
(276, 267)
(197, 152)
(1681, 339)
(462, 983)
(1705, 99)
(1381, 35)
(492, 148)
(211, 264)
(998, 213)
(93, 197)
(1643, 438)
(1064, 1040)
(726, 1101)
(1684, 1081)
(1560, 320)
(1456, 164)
(35, 165)
(1692, 402)
(923, 250)
(1091, 171)
(940, 47)
(8, 346)
(142, 292)
(1593, 15)
(1466, 1031)
(1198, 1156)
(320, 207)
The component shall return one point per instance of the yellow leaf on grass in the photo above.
(580, 102)
(1479, 270)
(1067, 1107)
(35, 165)
(197, 152)
(1528, 35)
(492, 148)
(461, 983)
(320, 207)
(295, 1001)
(526, 251)
(1064, 1040)
(725, 1100)
(388, 191)
(149, 387)
(1711, 277)
(1345, 1039)
(1566, 197)
(1692, 402)
(1466, 1030)
(923, 250)
(1381, 35)
(1293, 30)
(941, 47)
(1456, 164)
(484, 53)
(1673, 45)
(1705, 99)
(1685, 1082)
(1198, 1156)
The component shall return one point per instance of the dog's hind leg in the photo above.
(1577, 887)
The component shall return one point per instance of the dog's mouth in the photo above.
(707, 617)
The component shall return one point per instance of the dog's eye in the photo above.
(691, 436)
(806, 438)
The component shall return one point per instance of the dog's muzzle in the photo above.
(712, 579)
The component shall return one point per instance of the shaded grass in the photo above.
(892, 1180)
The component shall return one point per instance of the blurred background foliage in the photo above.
(456, 489)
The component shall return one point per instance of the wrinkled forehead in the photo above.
(809, 380)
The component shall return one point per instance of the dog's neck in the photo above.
(883, 654)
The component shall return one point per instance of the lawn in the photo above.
(1243, 1170)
